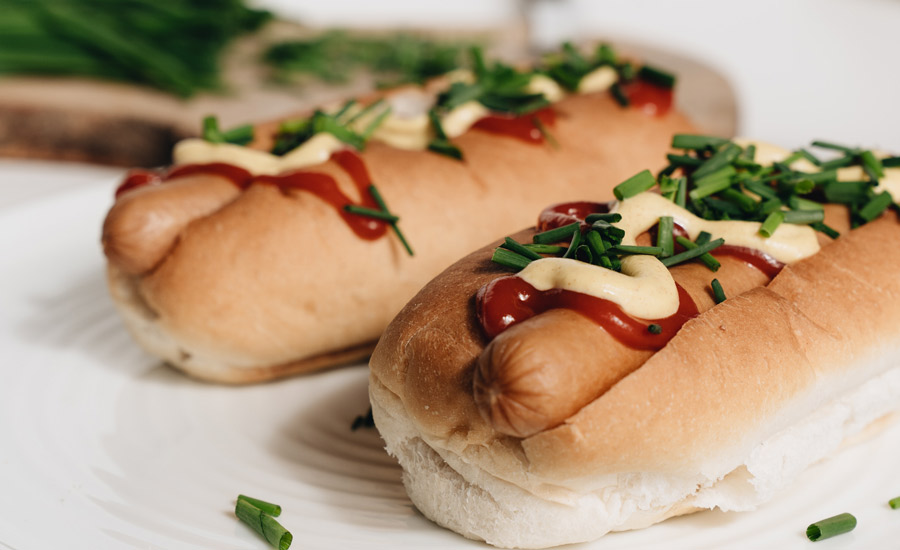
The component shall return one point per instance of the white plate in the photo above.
(101, 446)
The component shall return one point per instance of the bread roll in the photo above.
(253, 285)
(729, 412)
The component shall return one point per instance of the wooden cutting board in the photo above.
(126, 125)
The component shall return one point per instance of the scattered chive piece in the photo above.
(583, 254)
(619, 95)
(845, 192)
(718, 293)
(692, 253)
(837, 163)
(703, 238)
(638, 183)
(829, 527)
(595, 243)
(771, 223)
(240, 135)
(557, 234)
(681, 193)
(822, 228)
(371, 213)
(211, 132)
(273, 510)
(696, 142)
(363, 421)
(760, 189)
(378, 199)
(656, 76)
(710, 188)
(508, 258)
(707, 259)
(344, 108)
(548, 137)
(719, 160)
(799, 203)
(376, 122)
(890, 162)
(744, 202)
(608, 218)
(654, 328)
(810, 157)
(684, 160)
(836, 147)
(645, 250)
(894, 503)
(872, 164)
(876, 206)
(545, 248)
(573, 246)
(520, 249)
(804, 217)
(664, 236)
(264, 524)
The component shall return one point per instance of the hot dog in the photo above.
(243, 263)
(539, 421)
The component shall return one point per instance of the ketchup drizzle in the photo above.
(648, 97)
(520, 127)
(319, 184)
(510, 300)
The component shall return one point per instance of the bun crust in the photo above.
(742, 399)
(274, 283)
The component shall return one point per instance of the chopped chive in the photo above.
(520, 249)
(273, 510)
(820, 177)
(839, 162)
(664, 236)
(364, 111)
(383, 205)
(211, 132)
(770, 206)
(692, 253)
(557, 234)
(872, 165)
(573, 246)
(696, 142)
(611, 232)
(444, 147)
(876, 206)
(612, 217)
(240, 135)
(744, 202)
(799, 203)
(707, 259)
(634, 250)
(703, 238)
(771, 223)
(829, 231)
(619, 95)
(545, 133)
(804, 217)
(726, 208)
(711, 188)
(890, 162)
(681, 193)
(606, 262)
(545, 248)
(723, 173)
(371, 213)
(638, 183)
(809, 156)
(595, 243)
(654, 328)
(718, 292)
(684, 160)
(836, 147)
(719, 160)
(749, 153)
(846, 192)
(264, 524)
(657, 77)
(508, 258)
(583, 254)
(829, 527)
(894, 503)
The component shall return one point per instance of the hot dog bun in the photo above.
(253, 285)
(743, 398)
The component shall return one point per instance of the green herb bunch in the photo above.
(341, 124)
(717, 179)
(335, 55)
(174, 46)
